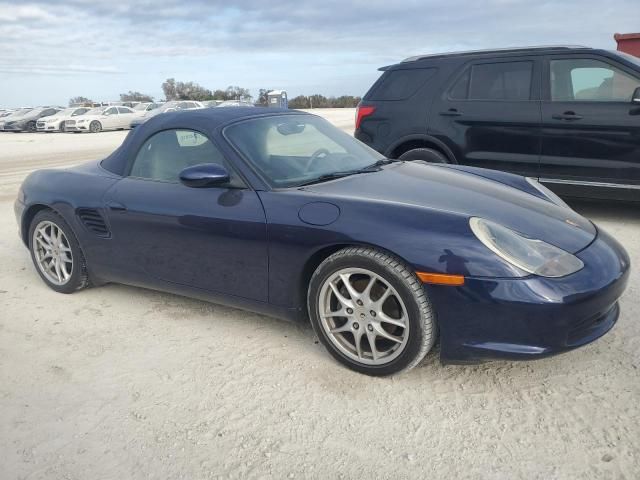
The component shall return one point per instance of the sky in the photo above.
(53, 50)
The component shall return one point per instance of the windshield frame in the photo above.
(375, 156)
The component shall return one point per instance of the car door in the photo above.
(489, 114)
(212, 239)
(109, 118)
(590, 127)
(125, 115)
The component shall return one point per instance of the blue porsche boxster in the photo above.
(279, 212)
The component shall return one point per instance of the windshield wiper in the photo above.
(374, 167)
(331, 176)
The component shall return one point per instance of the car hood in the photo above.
(418, 185)
(57, 117)
(88, 117)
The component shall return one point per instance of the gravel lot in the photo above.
(120, 382)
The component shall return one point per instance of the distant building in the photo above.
(628, 43)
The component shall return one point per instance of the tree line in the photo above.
(176, 90)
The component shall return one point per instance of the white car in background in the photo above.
(141, 109)
(101, 118)
(56, 123)
(171, 106)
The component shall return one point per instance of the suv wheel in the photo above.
(425, 154)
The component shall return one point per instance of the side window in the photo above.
(123, 110)
(499, 81)
(589, 80)
(401, 84)
(111, 111)
(165, 154)
(460, 89)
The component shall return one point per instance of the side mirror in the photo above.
(635, 98)
(205, 175)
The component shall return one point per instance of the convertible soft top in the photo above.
(205, 120)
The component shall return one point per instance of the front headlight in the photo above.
(81, 121)
(547, 193)
(532, 256)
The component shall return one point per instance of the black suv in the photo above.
(568, 116)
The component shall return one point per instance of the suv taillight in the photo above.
(363, 111)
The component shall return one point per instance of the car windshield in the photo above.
(66, 111)
(96, 111)
(293, 150)
(163, 108)
(21, 111)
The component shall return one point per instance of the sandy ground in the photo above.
(124, 383)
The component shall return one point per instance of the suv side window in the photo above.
(589, 80)
(165, 154)
(400, 84)
(501, 81)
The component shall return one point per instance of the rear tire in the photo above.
(424, 154)
(371, 312)
(51, 239)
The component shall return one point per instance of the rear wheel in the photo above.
(95, 127)
(425, 154)
(56, 253)
(371, 312)
(62, 127)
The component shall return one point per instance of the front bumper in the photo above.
(532, 317)
(16, 127)
(48, 127)
(76, 126)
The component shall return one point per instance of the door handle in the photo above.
(566, 116)
(452, 112)
(116, 207)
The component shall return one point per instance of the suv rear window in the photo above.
(400, 84)
(495, 81)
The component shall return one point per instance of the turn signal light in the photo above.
(440, 278)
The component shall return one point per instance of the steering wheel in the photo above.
(320, 153)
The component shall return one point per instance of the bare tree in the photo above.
(79, 100)
(135, 97)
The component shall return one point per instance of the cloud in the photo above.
(281, 41)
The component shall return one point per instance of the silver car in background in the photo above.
(171, 106)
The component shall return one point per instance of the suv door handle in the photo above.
(452, 112)
(566, 116)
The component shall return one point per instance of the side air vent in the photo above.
(94, 222)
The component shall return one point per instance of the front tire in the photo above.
(95, 127)
(370, 310)
(56, 253)
(424, 154)
(32, 127)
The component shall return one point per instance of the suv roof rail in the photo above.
(495, 50)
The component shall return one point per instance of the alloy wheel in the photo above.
(52, 252)
(363, 316)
